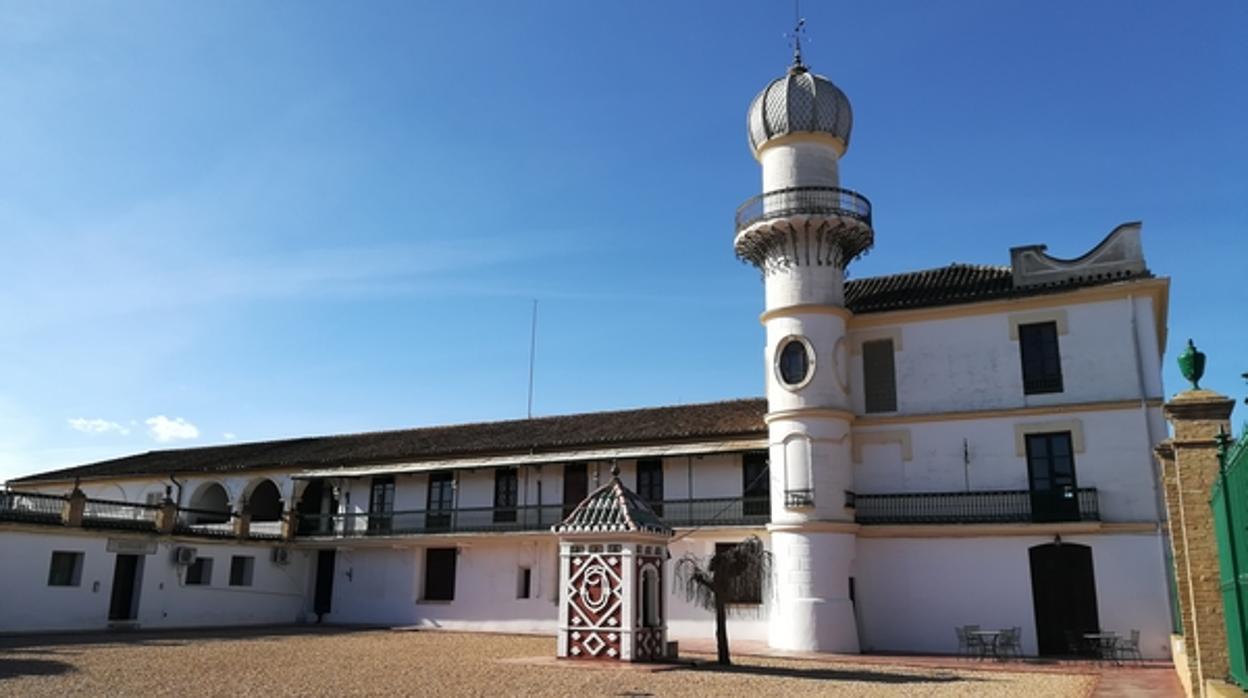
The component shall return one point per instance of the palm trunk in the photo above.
(721, 631)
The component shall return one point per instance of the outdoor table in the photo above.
(987, 640)
(1104, 644)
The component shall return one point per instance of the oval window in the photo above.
(794, 362)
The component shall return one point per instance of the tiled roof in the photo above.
(951, 285)
(613, 508)
(713, 420)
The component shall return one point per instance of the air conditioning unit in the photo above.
(184, 556)
(281, 556)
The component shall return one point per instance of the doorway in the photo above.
(1051, 475)
(1063, 589)
(123, 605)
(323, 597)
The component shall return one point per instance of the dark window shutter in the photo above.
(1041, 357)
(879, 376)
(440, 574)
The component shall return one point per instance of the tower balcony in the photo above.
(835, 222)
(811, 201)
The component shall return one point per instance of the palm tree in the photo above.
(741, 573)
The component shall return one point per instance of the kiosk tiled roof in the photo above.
(613, 508)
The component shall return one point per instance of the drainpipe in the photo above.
(173, 478)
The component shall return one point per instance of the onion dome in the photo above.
(799, 102)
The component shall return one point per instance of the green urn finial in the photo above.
(1192, 364)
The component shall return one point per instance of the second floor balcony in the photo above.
(991, 506)
(720, 511)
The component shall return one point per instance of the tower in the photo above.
(801, 233)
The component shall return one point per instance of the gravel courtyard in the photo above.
(281, 662)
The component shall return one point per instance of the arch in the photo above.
(211, 503)
(264, 501)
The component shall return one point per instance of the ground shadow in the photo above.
(174, 637)
(861, 675)
(15, 668)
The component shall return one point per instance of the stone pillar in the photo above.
(242, 523)
(74, 508)
(290, 524)
(166, 517)
(1189, 462)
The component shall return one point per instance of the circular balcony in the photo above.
(825, 201)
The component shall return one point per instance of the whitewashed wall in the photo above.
(276, 595)
(912, 592)
(970, 362)
(1117, 458)
(384, 586)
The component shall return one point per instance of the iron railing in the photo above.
(205, 522)
(989, 506)
(832, 201)
(796, 499)
(107, 513)
(31, 506)
(726, 511)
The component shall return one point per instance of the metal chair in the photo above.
(1130, 648)
(1010, 644)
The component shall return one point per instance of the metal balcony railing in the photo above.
(105, 513)
(725, 511)
(831, 201)
(799, 499)
(31, 506)
(994, 506)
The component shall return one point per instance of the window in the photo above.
(524, 583)
(441, 500)
(752, 592)
(879, 377)
(241, 569)
(506, 491)
(66, 569)
(650, 483)
(200, 572)
(153, 498)
(381, 505)
(756, 484)
(793, 362)
(1042, 361)
(575, 486)
(440, 574)
(1051, 471)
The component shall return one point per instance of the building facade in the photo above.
(959, 445)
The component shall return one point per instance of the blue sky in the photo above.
(248, 220)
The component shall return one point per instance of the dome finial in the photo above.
(799, 25)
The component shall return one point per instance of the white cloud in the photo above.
(97, 426)
(164, 429)
(229, 436)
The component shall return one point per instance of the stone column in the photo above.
(242, 522)
(1189, 463)
(74, 508)
(166, 517)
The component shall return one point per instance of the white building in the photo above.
(959, 445)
